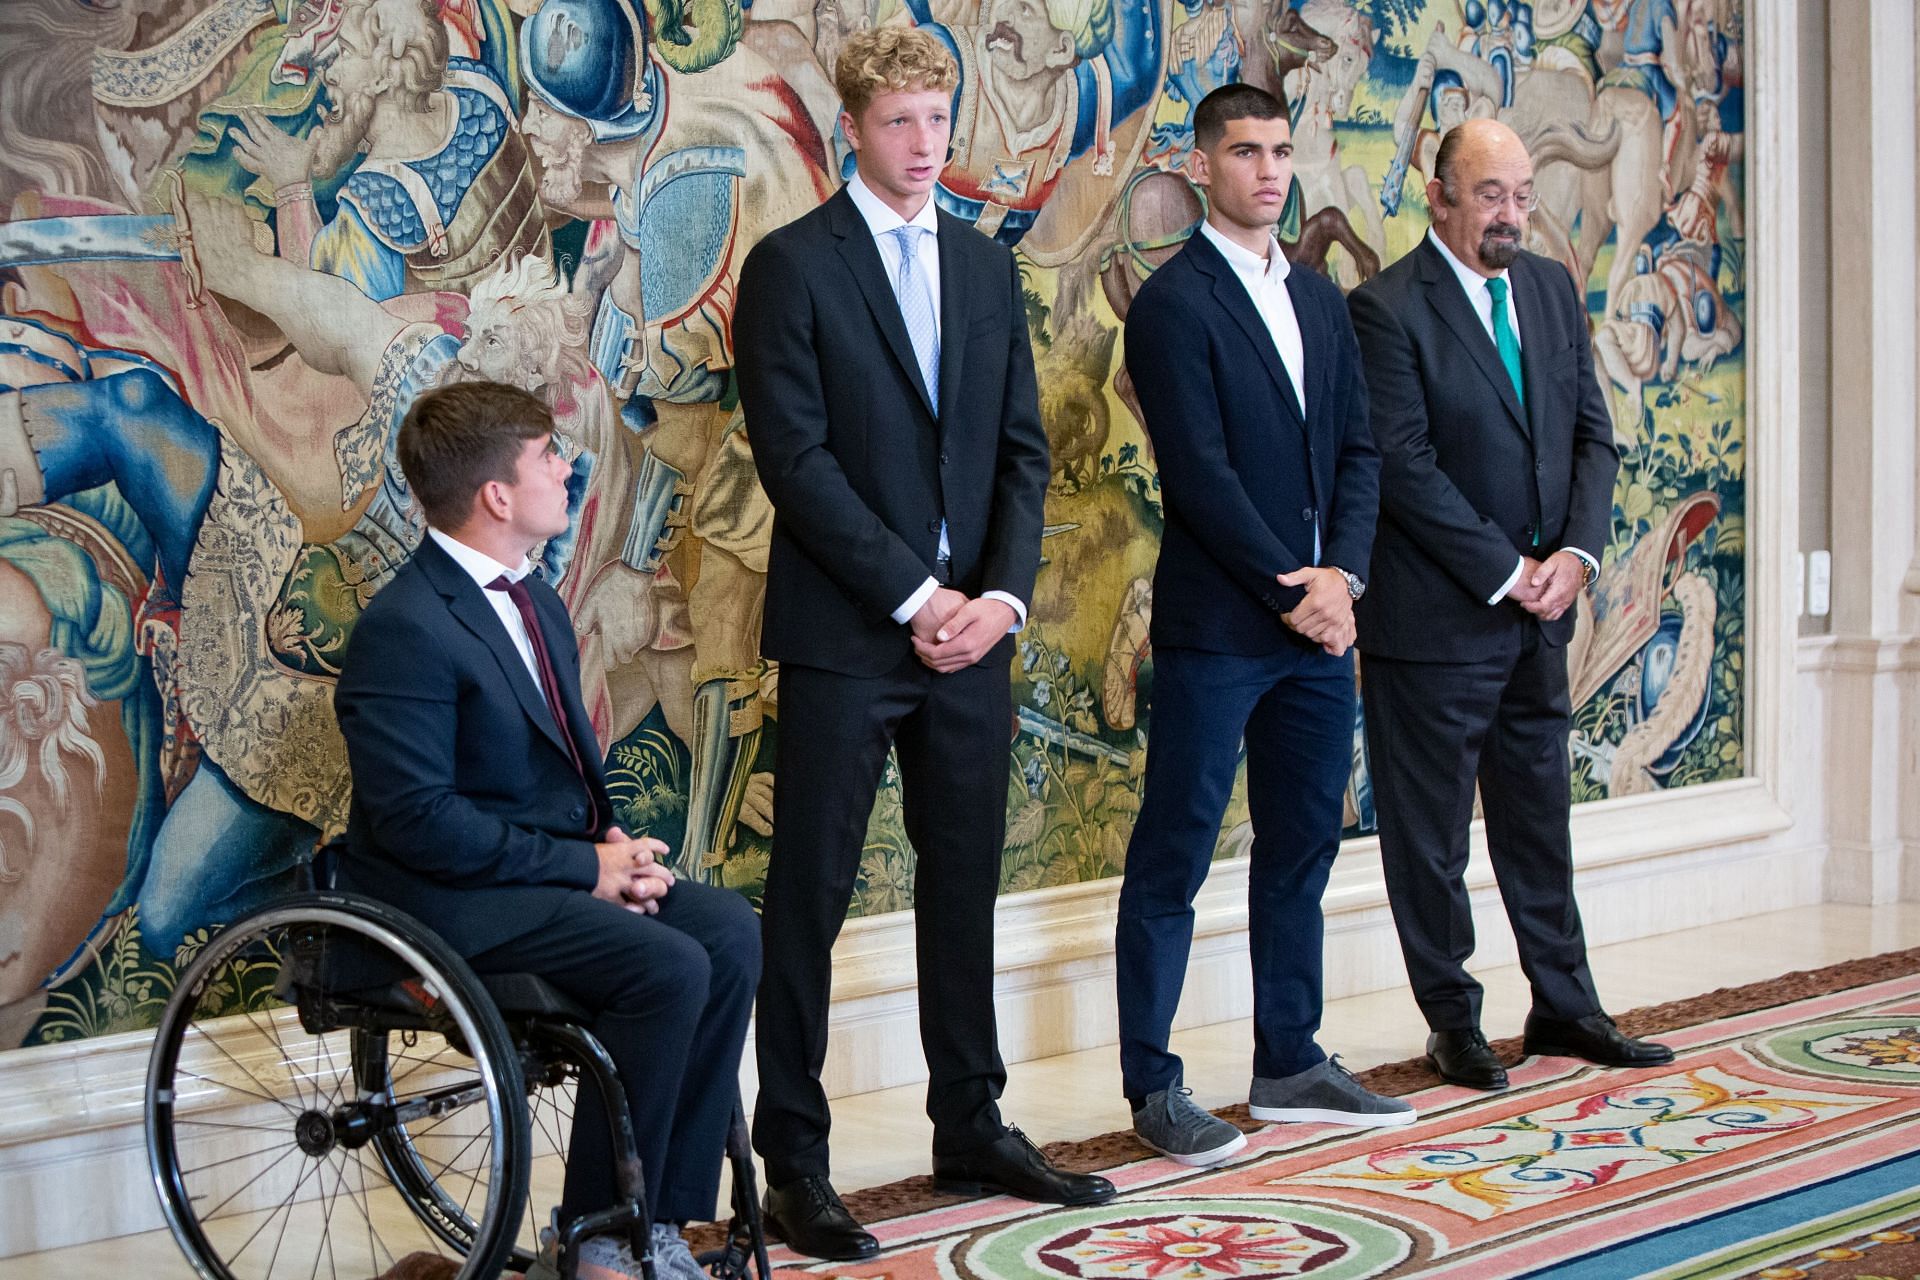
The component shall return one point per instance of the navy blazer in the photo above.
(467, 811)
(860, 466)
(1471, 478)
(1245, 481)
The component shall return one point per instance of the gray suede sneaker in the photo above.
(1328, 1094)
(1172, 1124)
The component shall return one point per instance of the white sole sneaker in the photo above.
(1318, 1115)
(1200, 1159)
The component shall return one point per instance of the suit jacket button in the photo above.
(933, 526)
(1306, 513)
(1539, 467)
(944, 459)
(578, 813)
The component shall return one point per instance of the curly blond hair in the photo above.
(889, 60)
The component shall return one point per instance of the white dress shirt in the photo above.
(1266, 283)
(883, 221)
(1481, 299)
(483, 568)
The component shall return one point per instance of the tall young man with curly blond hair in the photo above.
(889, 392)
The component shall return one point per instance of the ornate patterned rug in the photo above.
(1784, 1143)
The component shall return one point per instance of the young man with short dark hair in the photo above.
(479, 806)
(1250, 384)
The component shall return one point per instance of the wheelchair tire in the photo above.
(410, 1163)
(259, 1120)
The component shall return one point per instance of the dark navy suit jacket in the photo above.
(467, 812)
(1245, 481)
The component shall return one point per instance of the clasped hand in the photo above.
(631, 873)
(1547, 588)
(951, 632)
(1326, 615)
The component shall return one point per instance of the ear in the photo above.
(1197, 166)
(1436, 198)
(850, 127)
(492, 502)
(1062, 54)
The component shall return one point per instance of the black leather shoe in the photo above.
(808, 1215)
(1594, 1038)
(1011, 1165)
(1464, 1058)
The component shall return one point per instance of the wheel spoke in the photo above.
(215, 1211)
(285, 1205)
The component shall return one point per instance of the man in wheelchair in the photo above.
(480, 807)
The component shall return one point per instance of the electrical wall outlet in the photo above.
(1820, 583)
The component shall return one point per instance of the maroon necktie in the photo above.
(549, 683)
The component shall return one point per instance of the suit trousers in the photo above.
(1295, 711)
(673, 992)
(950, 735)
(1433, 730)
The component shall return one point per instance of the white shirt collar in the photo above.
(1274, 266)
(478, 565)
(881, 217)
(1470, 280)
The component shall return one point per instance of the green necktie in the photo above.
(1503, 336)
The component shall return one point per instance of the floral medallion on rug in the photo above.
(1783, 1143)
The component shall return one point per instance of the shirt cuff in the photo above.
(1593, 566)
(1513, 580)
(904, 614)
(1012, 602)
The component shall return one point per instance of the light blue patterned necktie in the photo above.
(916, 308)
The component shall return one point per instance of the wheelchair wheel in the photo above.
(268, 1128)
(407, 1151)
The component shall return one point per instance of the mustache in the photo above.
(1504, 230)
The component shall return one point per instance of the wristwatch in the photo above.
(1355, 587)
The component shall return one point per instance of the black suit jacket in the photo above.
(1244, 480)
(467, 811)
(1468, 475)
(859, 466)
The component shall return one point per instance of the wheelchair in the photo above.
(333, 1091)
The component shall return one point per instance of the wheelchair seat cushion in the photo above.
(526, 995)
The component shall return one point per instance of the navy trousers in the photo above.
(1295, 711)
(673, 992)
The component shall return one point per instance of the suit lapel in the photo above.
(1314, 374)
(862, 257)
(1236, 302)
(953, 312)
(1529, 306)
(557, 628)
(467, 602)
(1447, 298)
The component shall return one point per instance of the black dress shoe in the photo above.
(1594, 1038)
(1011, 1165)
(808, 1215)
(1464, 1058)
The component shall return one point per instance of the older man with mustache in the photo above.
(1496, 499)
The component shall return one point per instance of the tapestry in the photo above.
(241, 236)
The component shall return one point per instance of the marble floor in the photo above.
(881, 1136)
